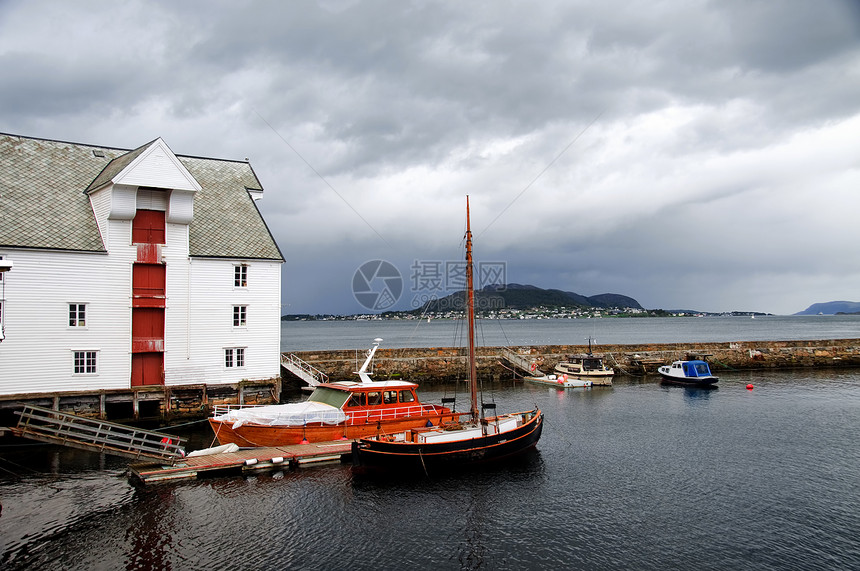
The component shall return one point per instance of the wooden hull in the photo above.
(250, 434)
(429, 457)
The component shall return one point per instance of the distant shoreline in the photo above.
(536, 313)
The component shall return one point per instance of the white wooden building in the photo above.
(132, 270)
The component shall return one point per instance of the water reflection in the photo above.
(700, 393)
(151, 532)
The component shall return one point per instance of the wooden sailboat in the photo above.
(475, 439)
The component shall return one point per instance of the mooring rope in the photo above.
(617, 364)
(172, 426)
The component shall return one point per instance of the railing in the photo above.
(46, 425)
(361, 416)
(374, 415)
(303, 370)
(521, 362)
(219, 409)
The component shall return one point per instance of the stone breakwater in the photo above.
(449, 363)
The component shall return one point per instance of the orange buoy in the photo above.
(750, 387)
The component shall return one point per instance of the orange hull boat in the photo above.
(334, 411)
(363, 423)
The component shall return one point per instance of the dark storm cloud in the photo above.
(602, 143)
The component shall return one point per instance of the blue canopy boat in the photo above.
(691, 373)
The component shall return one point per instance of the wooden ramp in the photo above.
(524, 363)
(54, 427)
(244, 460)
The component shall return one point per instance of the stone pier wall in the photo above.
(431, 365)
(445, 364)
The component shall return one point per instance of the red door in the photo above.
(147, 369)
(147, 346)
(148, 284)
(148, 227)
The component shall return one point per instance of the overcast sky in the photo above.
(689, 154)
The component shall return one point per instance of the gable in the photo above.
(45, 200)
(157, 166)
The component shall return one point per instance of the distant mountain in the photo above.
(831, 308)
(517, 296)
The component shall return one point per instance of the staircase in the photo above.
(54, 427)
(309, 374)
(521, 362)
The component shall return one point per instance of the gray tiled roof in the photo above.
(116, 165)
(43, 203)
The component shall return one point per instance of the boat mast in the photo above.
(362, 372)
(470, 317)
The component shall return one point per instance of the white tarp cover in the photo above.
(293, 414)
(223, 449)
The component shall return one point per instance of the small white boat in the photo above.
(585, 367)
(559, 381)
(691, 373)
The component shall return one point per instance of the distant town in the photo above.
(515, 301)
(531, 313)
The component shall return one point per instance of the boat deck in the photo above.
(244, 460)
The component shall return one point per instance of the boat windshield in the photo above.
(592, 364)
(702, 369)
(697, 369)
(329, 396)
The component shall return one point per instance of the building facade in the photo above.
(134, 274)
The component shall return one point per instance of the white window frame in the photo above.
(78, 312)
(240, 316)
(235, 357)
(89, 362)
(240, 276)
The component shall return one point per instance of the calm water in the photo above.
(634, 476)
(322, 335)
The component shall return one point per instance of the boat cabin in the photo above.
(584, 363)
(693, 368)
(360, 396)
(592, 363)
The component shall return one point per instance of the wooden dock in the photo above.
(242, 461)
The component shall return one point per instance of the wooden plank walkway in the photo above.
(54, 427)
(245, 460)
